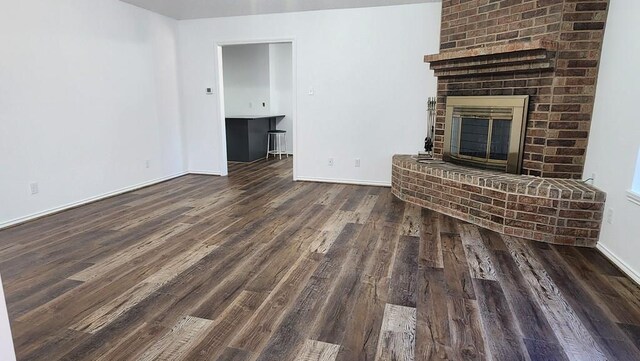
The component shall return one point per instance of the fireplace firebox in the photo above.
(486, 131)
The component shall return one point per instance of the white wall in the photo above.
(246, 79)
(7, 352)
(365, 66)
(88, 94)
(281, 74)
(615, 134)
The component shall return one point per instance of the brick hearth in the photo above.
(561, 211)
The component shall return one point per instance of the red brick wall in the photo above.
(561, 99)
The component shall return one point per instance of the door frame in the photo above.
(224, 171)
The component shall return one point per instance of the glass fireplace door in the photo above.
(485, 135)
(485, 139)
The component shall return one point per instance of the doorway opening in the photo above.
(257, 105)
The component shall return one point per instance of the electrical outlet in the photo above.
(593, 178)
(147, 164)
(330, 162)
(34, 188)
(610, 215)
(312, 91)
(357, 165)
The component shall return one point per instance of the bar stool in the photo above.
(278, 137)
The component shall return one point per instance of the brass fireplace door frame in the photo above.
(517, 103)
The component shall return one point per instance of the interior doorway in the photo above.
(257, 103)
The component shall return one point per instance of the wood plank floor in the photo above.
(257, 267)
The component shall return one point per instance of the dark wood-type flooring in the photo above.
(257, 267)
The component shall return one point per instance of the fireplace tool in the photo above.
(427, 155)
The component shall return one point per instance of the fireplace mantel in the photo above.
(522, 56)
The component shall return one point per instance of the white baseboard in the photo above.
(345, 181)
(202, 172)
(624, 267)
(50, 211)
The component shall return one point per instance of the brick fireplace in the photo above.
(548, 50)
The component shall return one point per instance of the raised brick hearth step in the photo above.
(560, 211)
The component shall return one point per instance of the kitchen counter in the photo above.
(247, 136)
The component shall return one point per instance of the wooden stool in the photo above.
(278, 137)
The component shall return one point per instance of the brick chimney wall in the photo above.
(561, 99)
